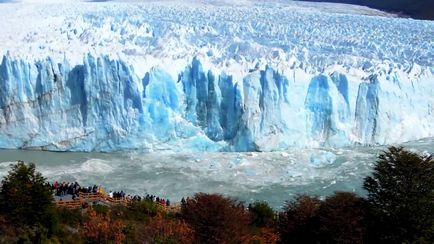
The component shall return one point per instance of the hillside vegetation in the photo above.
(418, 9)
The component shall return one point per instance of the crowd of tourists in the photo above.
(137, 198)
(74, 189)
(68, 188)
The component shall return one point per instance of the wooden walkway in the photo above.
(90, 199)
(100, 198)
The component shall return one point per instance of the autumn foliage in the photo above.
(216, 219)
(100, 228)
(299, 220)
(165, 230)
(341, 219)
(265, 235)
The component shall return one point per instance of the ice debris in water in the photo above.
(322, 158)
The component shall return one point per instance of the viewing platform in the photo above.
(98, 198)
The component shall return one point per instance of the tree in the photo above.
(401, 197)
(298, 223)
(216, 219)
(422, 9)
(26, 199)
(262, 215)
(341, 219)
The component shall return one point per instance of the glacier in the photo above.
(122, 76)
(102, 105)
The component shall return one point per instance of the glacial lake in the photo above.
(271, 176)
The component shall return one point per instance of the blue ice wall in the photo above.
(367, 110)
(319, 103)
(230, 106)
(102, 105)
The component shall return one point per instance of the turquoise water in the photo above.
(272, 176)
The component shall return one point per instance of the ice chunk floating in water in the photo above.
(210, 80)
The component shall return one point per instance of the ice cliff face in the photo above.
(102, 105)
(211, 75)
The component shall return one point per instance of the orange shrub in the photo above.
(161, 230)
(101, 228)
(265, 236)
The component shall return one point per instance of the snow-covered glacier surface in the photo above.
(211, 76)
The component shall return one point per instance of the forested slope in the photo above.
(419, 9)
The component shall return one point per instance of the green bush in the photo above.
(71, 217)
(142, 210)
(100, 209)
(26, 200)
(137, 211)
(261, 214)
(401, 197)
